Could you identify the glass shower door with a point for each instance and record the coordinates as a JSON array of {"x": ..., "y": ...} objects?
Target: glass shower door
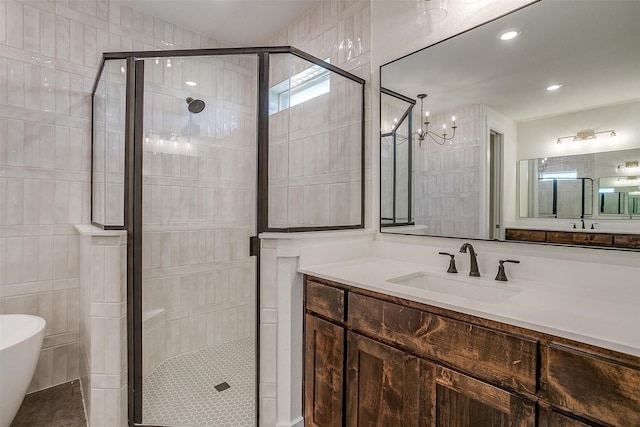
[{"x": 198, "y": 213}]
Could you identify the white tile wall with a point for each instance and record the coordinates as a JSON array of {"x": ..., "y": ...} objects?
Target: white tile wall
[
  {"x": 340, "y": 30},
  {"x": 49, "y": 55},
  {"x": 447, "y": 177},
  {"x": 315, "y": 152},
  {"x": 103, "y": 333},
  {"x": 314, "y": 156}
]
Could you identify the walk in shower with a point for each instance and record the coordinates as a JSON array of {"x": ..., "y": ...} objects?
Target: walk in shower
[{"x": 194, "y": 153}]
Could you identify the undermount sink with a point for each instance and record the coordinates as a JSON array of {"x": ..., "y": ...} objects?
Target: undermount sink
[{"x": 473, "y": 289}]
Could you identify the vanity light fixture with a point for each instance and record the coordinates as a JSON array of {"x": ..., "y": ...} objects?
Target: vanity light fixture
[
  {"x": 584, "y": 135},
  {"x": 554, "y": 87},
  {"x": 438, "y": 139},
  {"x": 509, "y": 34}
]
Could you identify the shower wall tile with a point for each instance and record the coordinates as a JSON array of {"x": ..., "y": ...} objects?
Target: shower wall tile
[
  {"x": 340, "y": 31},
  {"x": 102, "y": 310},
  {"x": 51, "y": 51}
]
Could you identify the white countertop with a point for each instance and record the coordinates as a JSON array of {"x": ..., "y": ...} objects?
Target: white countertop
[{"x": 606, "y": 319}]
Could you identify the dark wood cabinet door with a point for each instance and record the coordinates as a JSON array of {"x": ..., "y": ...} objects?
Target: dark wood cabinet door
[
  {"x": 462, "y": 401},
  {"x": 382, "y": 384},
  {"x": 323, "y": 382}
]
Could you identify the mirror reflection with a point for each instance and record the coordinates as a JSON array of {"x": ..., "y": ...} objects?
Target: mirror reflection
[
  {"x": 598, "y": 186},
  {"x": 514, "y": 130},
  {"x": 395, "y": 158}
]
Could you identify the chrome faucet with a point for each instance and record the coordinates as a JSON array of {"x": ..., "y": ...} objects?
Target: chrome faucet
[{"x": 474, "y": 262}]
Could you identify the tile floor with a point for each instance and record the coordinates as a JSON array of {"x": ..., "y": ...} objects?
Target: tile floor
[
  {"x": 54, "y": 407},
  {"x": 182, "y": 392}
]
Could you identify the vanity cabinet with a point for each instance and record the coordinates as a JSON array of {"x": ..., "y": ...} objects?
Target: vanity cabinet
[{"x": 376, "y": 360}]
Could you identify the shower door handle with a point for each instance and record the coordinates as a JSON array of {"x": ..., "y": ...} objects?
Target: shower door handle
[{"x": 254, "y": 246}]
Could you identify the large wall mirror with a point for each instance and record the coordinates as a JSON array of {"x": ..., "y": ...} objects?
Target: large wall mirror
[{"x": 532, "y": 119}]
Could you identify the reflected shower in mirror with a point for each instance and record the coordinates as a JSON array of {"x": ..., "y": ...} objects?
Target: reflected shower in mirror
[
  {"x": 598, "y": 185},
  {"x": 395, "y": 158},
  {"x": 565, "y": 89}
]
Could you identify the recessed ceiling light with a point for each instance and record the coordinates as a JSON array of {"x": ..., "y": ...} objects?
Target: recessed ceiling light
[
  {"x": 190, "y": 83},
  {"x": 509, "y": 34},
  {"x": 553, "y": 87}
]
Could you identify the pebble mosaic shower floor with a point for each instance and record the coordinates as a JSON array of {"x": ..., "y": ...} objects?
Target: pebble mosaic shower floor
[{"x": 181, "y": 391}]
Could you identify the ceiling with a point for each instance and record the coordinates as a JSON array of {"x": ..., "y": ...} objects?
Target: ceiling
[
  {"x": 234, "y": 22},
  {"x": 590, "y": 46}
]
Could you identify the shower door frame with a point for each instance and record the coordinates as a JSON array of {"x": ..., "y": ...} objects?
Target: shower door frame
[
  {"x": 408, "y": 114},
  {"x": 133, "y": 148}
]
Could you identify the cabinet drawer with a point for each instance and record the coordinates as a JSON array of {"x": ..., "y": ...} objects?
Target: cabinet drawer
[
  {"x": 525, "y": 235},
  {"x": 631, "y": 241},
  {"x": 578, "y": 238},
  {"x": 592, "y": 385},
  {"x": 325, "y": 300},
  {"x": 503, "y": 359}
]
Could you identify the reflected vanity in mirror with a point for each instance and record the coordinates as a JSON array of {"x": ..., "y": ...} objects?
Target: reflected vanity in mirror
[{"x": 487, "y": 133}]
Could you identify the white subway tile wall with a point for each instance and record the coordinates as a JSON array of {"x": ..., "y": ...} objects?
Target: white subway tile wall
[
  {"x": 50, "y": 50},
  {"x": 315, "y": 146},
  {"x": 339, "y": 30},
  {"x": 108, "y": 145},
  {"x": 447, "y": 177},
  {"x": 103, "y": 326}
]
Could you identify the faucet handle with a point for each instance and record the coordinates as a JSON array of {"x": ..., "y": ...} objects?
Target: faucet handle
[
  {"x": 502, "y": 276},
  {"x": 452, "y": 262},
  {"x": 573, "y": 223},
  {"x": 592, "y": 225}
]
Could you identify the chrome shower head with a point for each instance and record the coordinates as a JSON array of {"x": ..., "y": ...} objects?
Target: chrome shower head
[{"x": 195, "y": 105}]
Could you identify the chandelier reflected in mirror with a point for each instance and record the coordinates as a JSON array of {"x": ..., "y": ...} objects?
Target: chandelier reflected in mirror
[{"x": 422, "y": 133}]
